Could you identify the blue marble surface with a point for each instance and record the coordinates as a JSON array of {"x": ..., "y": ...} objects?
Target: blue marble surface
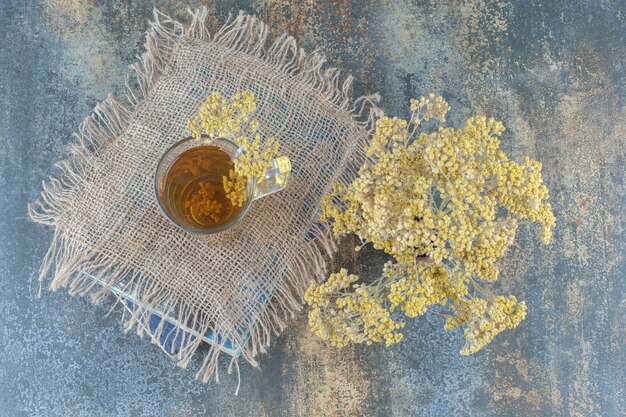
[{"x": 553, "y": 71}]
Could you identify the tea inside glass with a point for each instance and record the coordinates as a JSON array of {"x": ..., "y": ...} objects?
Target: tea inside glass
[
  {"x": 194, "y": 191},
  {"x": 189, "y": 189}
]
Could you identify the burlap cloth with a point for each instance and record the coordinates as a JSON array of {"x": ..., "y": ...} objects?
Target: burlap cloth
[{"x": 243, "y": 284}]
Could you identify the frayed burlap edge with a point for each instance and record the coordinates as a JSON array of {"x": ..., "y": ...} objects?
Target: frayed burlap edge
[{"x": 73, "y": 264}]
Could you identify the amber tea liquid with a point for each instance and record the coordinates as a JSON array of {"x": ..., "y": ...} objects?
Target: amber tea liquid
[{"x": 194, "y": 191}]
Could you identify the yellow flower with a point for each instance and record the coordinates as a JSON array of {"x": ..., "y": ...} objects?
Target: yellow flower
[
  {"x": 342, "y": 313},
  {"x": 451, "y": 196},
  {"x": 231, "y": 118},
  {"x": 203, "y": 203}
]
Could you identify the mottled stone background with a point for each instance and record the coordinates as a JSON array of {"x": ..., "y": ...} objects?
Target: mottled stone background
[{"x": 553, "y": 71}]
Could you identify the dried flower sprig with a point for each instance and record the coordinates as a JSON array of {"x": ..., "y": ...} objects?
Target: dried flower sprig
[
  {"x": 203, "y": 204},
  {"x": 225, "y": 117},
  {"x": 232, "y": 118},
  {"x": 450, "y": 196}
]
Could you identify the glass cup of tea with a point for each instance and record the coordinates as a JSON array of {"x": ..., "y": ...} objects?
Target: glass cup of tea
[{"x": 189, "y": 188}]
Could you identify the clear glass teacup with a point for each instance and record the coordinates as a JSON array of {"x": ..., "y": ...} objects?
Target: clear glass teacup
[{"x": 189, "y": 187}]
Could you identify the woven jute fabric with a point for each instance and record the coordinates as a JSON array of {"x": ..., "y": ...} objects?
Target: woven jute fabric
[{"x": 243, "y": 284}]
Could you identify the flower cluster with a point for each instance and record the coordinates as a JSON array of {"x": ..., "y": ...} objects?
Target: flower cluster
[
  {"x": 342, "y": 313},
  {"x": 253, "y": 162},
  {"x": 448, "y": 195},
  {"x": 231, "y": 118},
  {"x": 485, "y": 319},
  {"x": 226, "y": 117},
  {"x": 203, "y": 204}
]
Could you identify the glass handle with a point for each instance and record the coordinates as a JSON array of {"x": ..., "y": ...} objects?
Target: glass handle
[{"x": 276, "y": 178}]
